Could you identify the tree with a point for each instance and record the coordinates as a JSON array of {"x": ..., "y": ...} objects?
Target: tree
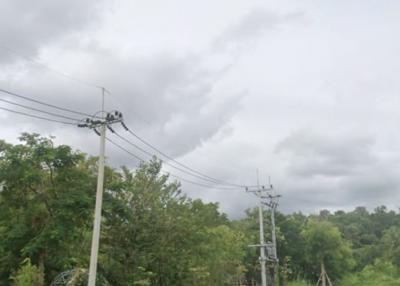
[
  {"x": 291, "y": 245},
  {"x": 390, "y": 245},
  {"x": 326, "y": 247},
  {"x": 46, "y": 202},
  {"x": 153, "y": 234},
  {"x": 222, "y": 252}
]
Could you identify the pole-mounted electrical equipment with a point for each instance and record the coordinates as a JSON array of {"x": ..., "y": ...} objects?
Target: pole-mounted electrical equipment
[{"x": 268, "y": 250}]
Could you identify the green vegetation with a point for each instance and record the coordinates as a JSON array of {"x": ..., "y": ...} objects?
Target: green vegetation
[
  {"x": 379, "y": 274},
  {"x": 152, "y": 234},
  {"x": 28, "y": 275},
  {"x": 324, "y": 244},
  {"x": 298, "y": 283}
]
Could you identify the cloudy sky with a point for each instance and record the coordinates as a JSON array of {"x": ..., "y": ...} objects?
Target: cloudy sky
[{"x": 305, "y": 91}]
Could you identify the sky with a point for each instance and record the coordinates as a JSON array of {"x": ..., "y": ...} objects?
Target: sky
[{"x": 307, "y": 92}]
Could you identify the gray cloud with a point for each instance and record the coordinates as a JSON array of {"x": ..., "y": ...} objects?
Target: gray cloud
[
  {"x": 251, "y": 27},
  {"x": 168, "y": 100},
  {"x": 337, "y": 171},
  {"x": 312, "y": 154},
  {"x": 26, "y": 26},
  {"x": 378, "y": 184},
  {"x": 162, "y": 96},
  {"x": 319, "y": 112}
]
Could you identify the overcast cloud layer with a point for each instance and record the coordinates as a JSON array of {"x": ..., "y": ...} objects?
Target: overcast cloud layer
[{"x": 306, "y": 91}]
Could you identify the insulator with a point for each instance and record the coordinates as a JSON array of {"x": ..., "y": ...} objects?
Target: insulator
[
  {"x": 109, "y": 128},
  {"x": 123, "y": 125}
]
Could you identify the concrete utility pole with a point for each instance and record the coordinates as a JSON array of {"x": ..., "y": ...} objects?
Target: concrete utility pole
[
  {"x": 97, "y": 123},
  {"x": 263, "y": 258},
  {"x": 259, "y": 191},
  {"x": 271, "y": 202},
  {"x": 97, "y": 213}
]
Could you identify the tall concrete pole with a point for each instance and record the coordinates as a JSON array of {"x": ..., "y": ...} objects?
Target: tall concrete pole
[
  {"x": 97, "y": 213},
  {"x": 273, "y": 231},
  {"x": 273, "y": 236},
  {"x": 99, "y": 201},
  {"x": 263, "y": 259}
]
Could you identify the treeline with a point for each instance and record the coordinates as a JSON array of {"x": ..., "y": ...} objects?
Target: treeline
[{"x": 152, "y": 234}]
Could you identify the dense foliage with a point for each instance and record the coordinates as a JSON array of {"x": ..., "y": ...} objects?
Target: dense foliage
[{"x": 152, "y": 234}]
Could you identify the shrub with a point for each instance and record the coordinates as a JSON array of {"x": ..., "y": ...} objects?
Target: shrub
[{"x": 28, "y": 275}]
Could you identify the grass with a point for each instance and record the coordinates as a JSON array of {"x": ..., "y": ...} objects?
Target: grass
[{"x": 298, "y": 283}]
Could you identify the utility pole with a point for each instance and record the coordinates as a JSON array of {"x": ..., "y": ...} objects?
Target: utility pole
[
  {"x": 259, "y": 191},
  {"x": 263, "y": 258},
  {"x": 99, "y": 123},
  {"x": 271, "y": 201},
  {"x": 97, "y": 213}
]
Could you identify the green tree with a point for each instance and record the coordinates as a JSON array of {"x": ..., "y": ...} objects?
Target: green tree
[
  {"x": 156, "y": 235},
  {"x": 222, "y": 252},
  {"x": 379, "y": 273},
  {"x": 390, "y": 245},
  {"x": 326, "y": 247},
  {"x": 46, "y": 205}
]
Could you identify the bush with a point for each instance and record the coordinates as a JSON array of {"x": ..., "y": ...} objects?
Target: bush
[
  {"x": 298, "y": 283},
  {"x": 379, "y": 274},
  {"x": 28, "y": 275}
]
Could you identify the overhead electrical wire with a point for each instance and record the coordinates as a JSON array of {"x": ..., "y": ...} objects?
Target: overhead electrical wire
[
  {"x": 126, "y": 150},
  {"x": 11, "y": 51},
  {"x": 67, "y": 76},
  {"x": 208, "y": 178},
  {"x": 185, "y": 169},
  {"x": 44, "y": 103},
  {"x": 171, "y": 165},
  {"x": 214, "y": 186},
  {"x": 167, "y": 173},
  {"x": 36, "y": 116},
  {"x": 39, "y": 110}
]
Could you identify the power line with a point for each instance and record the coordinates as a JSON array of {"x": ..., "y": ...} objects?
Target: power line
[
  {"x": 50, "y": 69},
  {"x": 44, "y": 103},
  {"x": 126, "y": 150},
  {"x": 39, "y": 110},
  {"x": 119, "y": 146},
  {"x": 191, "y": 171},
  {"x": 36, "y": 116},
  {"x": 208, "y": 178},
  {"x": 200, "y": 184},
  {"x": 167, "y": 163},
  {"x": 167, "y": 173}
]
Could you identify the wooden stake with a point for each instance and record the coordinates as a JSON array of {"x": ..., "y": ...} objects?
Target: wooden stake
[{"x": 323, "y": 278}]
